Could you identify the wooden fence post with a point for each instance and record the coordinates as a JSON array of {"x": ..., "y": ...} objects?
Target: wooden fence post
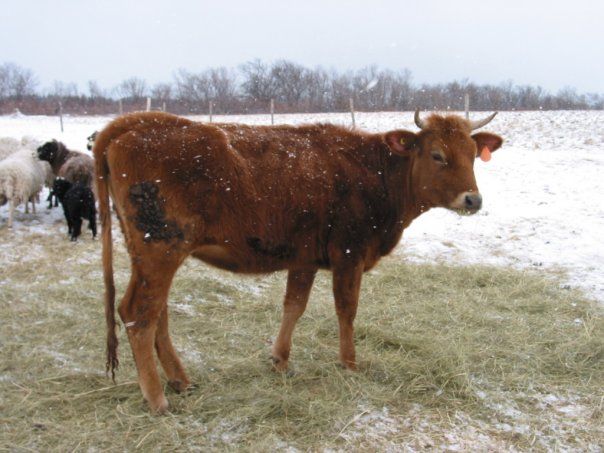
[
  {"x": 163, "y": 106},
  {"x": 272, "y": 111},
  {"x": 148, "y": 104},
  {"x": 210, "y": 108},
  {"x": 352, "y": 113},
  {"x": 121, "y": 107},
  {"x": 61, "y": 114},
  {"x": 467, "y": 105}
]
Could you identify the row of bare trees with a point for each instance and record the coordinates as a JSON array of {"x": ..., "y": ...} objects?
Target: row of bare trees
[{"x": 293, "y": 87}]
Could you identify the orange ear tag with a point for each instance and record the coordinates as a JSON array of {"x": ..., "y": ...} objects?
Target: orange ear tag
[{"x": 485, "y": 154}]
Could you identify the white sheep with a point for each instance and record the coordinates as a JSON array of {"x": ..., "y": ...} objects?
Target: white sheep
[
  {"x": 22, "y": 176},
  {"x": 8, "y": 146}
]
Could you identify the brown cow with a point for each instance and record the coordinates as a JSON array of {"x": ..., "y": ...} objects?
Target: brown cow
[{"x": 256, "y": 199}]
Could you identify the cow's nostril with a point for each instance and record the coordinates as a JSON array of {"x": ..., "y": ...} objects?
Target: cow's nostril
[{"x": 473, "y": 202}]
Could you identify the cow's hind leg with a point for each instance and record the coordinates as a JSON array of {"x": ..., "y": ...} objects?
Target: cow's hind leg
[
  {"x": 140, "y": 311},
  {"x": 299, "y": 284},
  {"x": 177, "y": 377}
]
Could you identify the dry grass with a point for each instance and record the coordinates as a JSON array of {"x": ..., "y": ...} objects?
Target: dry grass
[{"x": 470, "y": 358}]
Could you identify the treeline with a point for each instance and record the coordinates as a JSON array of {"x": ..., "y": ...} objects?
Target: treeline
[{"x": 293, "y": 87}]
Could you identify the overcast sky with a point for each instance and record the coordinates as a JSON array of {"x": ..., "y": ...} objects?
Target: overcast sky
[{"x": 549, "y": 43}]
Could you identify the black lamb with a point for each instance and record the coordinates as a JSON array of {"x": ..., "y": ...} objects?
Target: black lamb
[
  {"x": 51, "y": 196},
  {"x": 78, "y": 203}
]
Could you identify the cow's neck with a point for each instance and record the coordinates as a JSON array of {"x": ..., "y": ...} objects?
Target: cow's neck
[{"x": 401, "y": 197}]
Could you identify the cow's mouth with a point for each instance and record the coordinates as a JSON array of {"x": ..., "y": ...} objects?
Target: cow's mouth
[
  {"x": 467, "y": 203},
  {"x": 465, "y": 212}
]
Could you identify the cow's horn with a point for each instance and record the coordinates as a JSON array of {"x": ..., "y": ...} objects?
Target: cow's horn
[
  {"x": 483, "y": 122},
  {"x": 420, "y": 123}
]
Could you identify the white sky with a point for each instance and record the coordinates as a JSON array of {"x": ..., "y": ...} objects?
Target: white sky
[{"x": 549, "y": 43}]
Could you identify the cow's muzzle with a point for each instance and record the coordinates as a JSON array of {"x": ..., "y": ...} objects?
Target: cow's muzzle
[{"x": 467, "y": 203}]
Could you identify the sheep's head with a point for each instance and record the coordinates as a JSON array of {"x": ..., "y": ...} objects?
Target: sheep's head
[
  {"x": 48, "y": 151},
  {"x": 91, "y": 138}
]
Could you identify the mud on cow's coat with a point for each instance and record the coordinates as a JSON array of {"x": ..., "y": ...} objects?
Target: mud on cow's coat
[{"x": 256, "y": 199}]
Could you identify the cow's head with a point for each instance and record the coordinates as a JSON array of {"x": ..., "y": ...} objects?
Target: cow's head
[
  {"x": 48, "y": 151},
  {"x": 442, "y": 158}
]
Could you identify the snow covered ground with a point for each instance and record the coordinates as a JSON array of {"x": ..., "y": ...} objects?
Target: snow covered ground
[{"x": 543, "y": 191}]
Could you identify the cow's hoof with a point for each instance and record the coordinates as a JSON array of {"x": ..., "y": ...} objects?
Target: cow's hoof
[
  {"x": 281, "y": 366},
  {"x": 179, "y": 386},
  {"x": 160, "y": 407},
  {"x": 351, "y": 366}
]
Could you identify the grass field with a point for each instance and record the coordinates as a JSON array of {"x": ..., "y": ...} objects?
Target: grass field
[{"x": 450, "y": 358}]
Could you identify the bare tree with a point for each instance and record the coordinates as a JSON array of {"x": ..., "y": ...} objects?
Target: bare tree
[
  {"x": 16, "y": 81},
  {"x": 318, "y": 90},
  {"x": 595, "y": 101},
  {"x": 401, "y": 91},
  {"x": 63, "y": 90},
  {"x": 192, "y": 87},
  {"x": 258, "y": 83},
  {"x": 132, "y": 88},
  {"x": 223, "y": 88},
  {"x": 341, "y": 90},
  {"x": 569, "y": 98},
  {"x": 290, "y": 81},
  {"x": 5, "y": 78},
  {"x": 95, "y": 91},
  {"x": 162, "y": 92}
]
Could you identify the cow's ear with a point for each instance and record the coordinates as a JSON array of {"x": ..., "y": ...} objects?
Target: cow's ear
[
  {"x": 485, "y": 139},
  {"x": 401, "y": 142}
]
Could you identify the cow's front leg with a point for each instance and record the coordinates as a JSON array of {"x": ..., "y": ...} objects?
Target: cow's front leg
[
  {"x": 299, "y": 284},
  {"x": 347, "y": 274}
]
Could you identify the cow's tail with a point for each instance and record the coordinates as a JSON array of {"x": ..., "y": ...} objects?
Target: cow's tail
[
  {"x": 102, "y": 185},
  {"x": 118, "y": 127}
]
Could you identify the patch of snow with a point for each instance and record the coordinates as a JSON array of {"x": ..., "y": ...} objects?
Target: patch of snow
[
  {"x": 184, "y": 309},
  {"x": 377, "y": 429}
]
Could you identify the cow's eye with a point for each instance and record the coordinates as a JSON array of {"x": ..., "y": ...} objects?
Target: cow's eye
[{"x": 438, "y": 157}]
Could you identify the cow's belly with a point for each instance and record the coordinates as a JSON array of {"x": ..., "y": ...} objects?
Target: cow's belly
[
  {"x": 217, "y": 256},
  {"x": 228, "y": 259}
]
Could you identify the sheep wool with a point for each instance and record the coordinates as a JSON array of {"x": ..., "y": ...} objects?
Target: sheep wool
[{"x": 22, "y": 177}]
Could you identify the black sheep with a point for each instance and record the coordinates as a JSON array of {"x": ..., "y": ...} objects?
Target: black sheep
[{"x": 78, "y": 204}]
